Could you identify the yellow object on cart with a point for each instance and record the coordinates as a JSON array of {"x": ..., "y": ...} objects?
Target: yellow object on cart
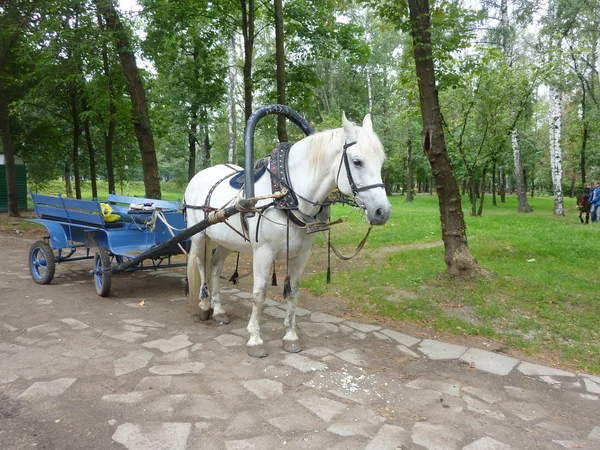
[{"x": 107, "y": 213}]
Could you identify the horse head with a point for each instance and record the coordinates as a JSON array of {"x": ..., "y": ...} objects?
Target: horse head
[
  {"x": 583, "y": 201},
  {"x": 358, "y": 173}
]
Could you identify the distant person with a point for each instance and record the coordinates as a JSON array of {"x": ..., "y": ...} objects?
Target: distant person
[{"x": 595, "y": 202}]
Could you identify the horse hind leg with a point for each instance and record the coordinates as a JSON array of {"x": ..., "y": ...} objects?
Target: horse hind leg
[
  {"x": 218, "y": 260},
  {"x": 196, "y": 272}
]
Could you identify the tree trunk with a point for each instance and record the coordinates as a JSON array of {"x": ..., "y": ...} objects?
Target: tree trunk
[
  {"x": 472, "y": 194},
  {"x": 193, "y": 121},
  {"x": 137, "y": 93},
  {"x": 502, "y": 184},
  {"x": 585, "y": 134},
  {"x": 480, "y": 210},
  {"x": 494, "y": 203},
  {"x": 67, "y": 178},
  {"x": 231, "y": 109},
  {"x": 92, "y": 156},
  {"x": 369, "y": 89},
  {"x": 573, "y": 180},
  {"x": 459, "y": 260},
  {"x": 192, "y": 141},
  {"x": 109, "y": 138},
  {"x": 409, "y": 171},
  {"x": 9, "y": 156},
  {"x": 76, "y": 138},
  {"x": 280, "y": 62},
  {"x": 206, "y": 149},
  {"x": 248, "y": 34},
  {"x": 555, "y": 107},
  {"x": 532, "y": 187},
  {"x": 110, "y": 133},
  {"x": 505, "y": 26},
  {"x": 520, "y": 177},
  {"x": 387, "y": 181}
]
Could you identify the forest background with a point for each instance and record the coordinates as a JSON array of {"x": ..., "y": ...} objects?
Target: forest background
[{"x": 517, "y": 80}]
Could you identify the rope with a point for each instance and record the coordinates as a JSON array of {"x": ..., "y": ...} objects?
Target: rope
[{"x": 159, "y": 215}]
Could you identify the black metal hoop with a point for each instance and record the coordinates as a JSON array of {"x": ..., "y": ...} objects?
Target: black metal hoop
[{"x": 280, "y": 110}]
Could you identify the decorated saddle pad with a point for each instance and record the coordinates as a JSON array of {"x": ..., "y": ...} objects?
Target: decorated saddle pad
[{"x": 237, "y": 181}]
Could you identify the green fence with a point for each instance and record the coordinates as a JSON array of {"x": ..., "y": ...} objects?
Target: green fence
[{"x": 21, "y": 185}]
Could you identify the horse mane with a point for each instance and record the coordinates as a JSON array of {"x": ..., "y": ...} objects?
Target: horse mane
[{"x": 333, "y": 140}]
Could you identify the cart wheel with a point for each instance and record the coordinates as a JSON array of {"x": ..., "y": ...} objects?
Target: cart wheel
[
  {"x": 102, "y": 273},
  {"x": 41, "y": 262}
]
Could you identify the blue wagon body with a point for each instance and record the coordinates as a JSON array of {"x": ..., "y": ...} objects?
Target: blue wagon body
[{"x": 79, "y": 225}]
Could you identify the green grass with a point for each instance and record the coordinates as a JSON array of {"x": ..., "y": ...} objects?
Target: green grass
[{"x": 543, "y": 295}]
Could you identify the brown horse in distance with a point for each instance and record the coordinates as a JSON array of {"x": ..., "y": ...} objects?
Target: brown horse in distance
[{"x": 584, "y": 205}]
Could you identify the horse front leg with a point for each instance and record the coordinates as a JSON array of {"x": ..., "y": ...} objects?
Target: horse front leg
[
  {"x": 218, "y": 260},
  {"x": 261, "y": 266},
  {"x": 291, "y": 343}
]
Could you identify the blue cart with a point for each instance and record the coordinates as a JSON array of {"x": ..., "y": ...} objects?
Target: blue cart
[
  {"x": 117, "y": 237},
  {"x": 136, "y": 236}
]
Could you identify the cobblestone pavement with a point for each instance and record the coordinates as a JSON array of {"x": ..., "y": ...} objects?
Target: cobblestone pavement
[{"x": 82, "y": 372}]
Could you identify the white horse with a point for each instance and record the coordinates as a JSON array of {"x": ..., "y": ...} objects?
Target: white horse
[{"x": 347, "y": 158}]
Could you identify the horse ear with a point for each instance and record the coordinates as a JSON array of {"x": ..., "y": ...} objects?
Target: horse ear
[
  {"x": 348, "y": 127},
  {"x": 367, "y": 124}
]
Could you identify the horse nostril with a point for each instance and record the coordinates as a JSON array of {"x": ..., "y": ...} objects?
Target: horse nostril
[{"x": 379, "y": 213}]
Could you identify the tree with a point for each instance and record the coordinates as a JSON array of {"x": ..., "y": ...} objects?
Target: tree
[
  {"x": 137, "y": 93},
  {"x": 507, "y": 40},
  {"x": 555, "y": 108},
  {"x": 459, "y": 260},
  {"x": 231, "y": 104},
  {"x": 188, "y": 51},
  {"x": 280, "y": 58},
  {"x": 11, "y": 26}
]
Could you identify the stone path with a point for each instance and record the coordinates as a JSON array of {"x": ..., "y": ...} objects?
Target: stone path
[{"x": 78, "y": 371}]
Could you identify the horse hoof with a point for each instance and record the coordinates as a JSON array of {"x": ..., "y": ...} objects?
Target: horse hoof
[
  {"x": 205, "y": 315},
  {"x": 292, "y": 346},
  {"x": 257, "y": 351},
  {"x": 222, "y": 319}
]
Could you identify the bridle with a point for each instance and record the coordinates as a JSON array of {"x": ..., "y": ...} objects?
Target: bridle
[{"x": 353, "y": 187}]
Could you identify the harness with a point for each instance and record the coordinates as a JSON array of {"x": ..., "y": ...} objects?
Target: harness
[{"x": 277, "y": 167}]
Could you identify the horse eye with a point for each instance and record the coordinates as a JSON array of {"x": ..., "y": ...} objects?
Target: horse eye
[{"x": 357, "y": 162}]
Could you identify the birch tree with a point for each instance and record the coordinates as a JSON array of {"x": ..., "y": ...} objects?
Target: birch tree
[
  {"x": 555, "y": 125},
  {"x": 523, "y": 204},
  {"x": 556, "y": 34}
]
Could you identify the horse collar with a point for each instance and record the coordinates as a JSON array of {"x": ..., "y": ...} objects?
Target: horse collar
[{"x": 278, "y": 167}]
